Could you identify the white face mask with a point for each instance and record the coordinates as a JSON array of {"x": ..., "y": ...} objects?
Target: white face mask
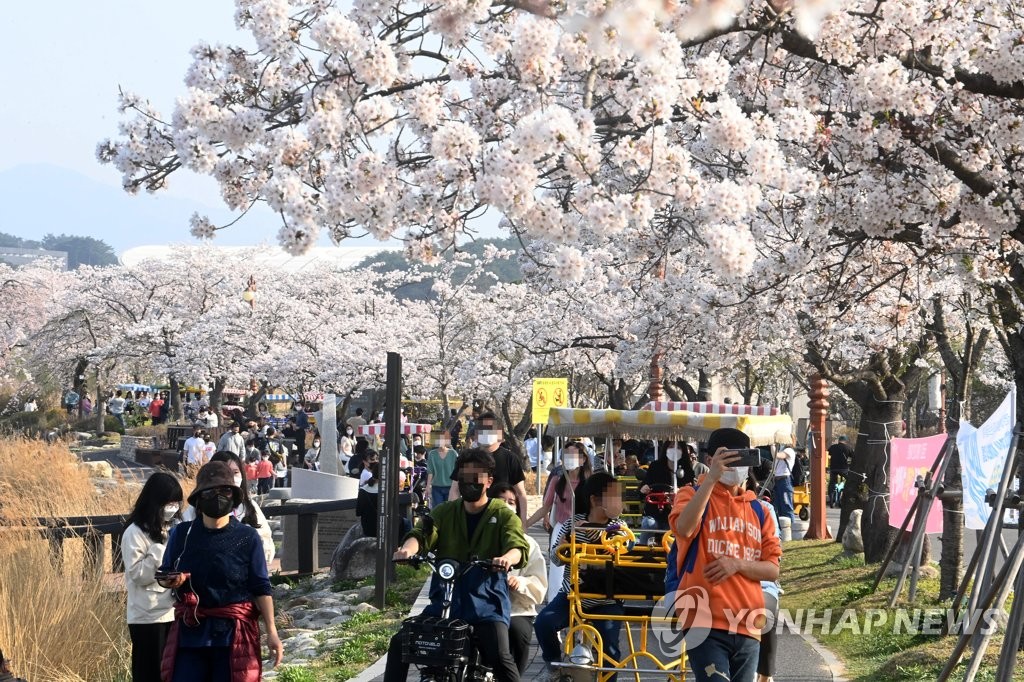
[
  {"x": 170, "y": 510},
  {"x": 734, "y": 475},
  {"x": 487, "y": 438},
  {"x": 348, "y": 432},
  {"x": 238, "y": 480},
  {"x": 316, "y": 444},
  {"x": 570, "y": 461},
  {"x": 673, "y": 454}
]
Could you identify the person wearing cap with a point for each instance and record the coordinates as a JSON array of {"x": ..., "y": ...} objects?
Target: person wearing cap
[
  {"x": 726, "y": 545},
  {"x": 782, "y": 489},
  {"x": 218, "y": 570},
  {"x": 840, "y": 454},
  {"x": 5, "y": 670}
]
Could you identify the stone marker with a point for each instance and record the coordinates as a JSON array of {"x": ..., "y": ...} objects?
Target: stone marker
[{"x": 853, "y": 541}]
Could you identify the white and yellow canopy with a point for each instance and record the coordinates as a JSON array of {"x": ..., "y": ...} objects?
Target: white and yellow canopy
[{"x": 681, "y": 425}]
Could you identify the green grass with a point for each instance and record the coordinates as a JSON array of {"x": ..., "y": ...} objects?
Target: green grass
[
  {"x": 816, "y": 576},
  {"x": 366, "y": 636}
]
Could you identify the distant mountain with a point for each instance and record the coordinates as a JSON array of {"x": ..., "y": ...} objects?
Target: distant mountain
[
  {"x": 390, "y": 261},
  {"x": 39, "y": 199},
  {"x": 79, "y": 250}
]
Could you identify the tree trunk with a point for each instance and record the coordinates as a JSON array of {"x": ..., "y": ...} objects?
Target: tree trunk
[
  {"x": 951, "y": 562},
  {"x": 217, "y": 395},
  {"x": 703, "y": 386},
  {"x": 175, "y": 398},
  {"x": 619, "y": 395},
  {"x": 254, "y": 400},
  {"x": 867, "y": 485},
  {"x": 78, "y": 382},
  {"x": 100, "y": 406},
  {"x": 341, "y": 414}
]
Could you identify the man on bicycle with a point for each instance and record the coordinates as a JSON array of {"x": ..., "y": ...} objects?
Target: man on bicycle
[{"x": 472, "y": 526}]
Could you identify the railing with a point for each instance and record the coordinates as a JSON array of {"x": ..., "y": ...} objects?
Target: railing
[
  {"x": 93, "y": 529},
  {"x": 309, "y": 520}
]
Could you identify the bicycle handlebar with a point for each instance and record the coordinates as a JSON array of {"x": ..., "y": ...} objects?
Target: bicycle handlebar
[{"x": 417, "y": 560}]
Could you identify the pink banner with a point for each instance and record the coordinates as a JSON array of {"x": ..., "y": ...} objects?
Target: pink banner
[{"x": 910, "y": 458}]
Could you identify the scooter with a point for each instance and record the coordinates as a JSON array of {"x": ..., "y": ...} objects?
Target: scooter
[{"x": 442, "y": 648}]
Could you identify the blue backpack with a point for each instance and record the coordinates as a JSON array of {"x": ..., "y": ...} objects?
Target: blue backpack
[{"x": 672, "y": 575}]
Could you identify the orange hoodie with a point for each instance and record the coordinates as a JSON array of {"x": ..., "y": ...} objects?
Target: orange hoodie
[{"x": 730, "y": 527}]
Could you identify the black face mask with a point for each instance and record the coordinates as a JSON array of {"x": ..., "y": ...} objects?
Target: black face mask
[
  {"x": 216, "y": 506},
  {"x": 471, "y": 492}
]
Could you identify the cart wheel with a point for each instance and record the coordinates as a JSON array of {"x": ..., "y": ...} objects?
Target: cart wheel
[{"x": 805, "y": 513}]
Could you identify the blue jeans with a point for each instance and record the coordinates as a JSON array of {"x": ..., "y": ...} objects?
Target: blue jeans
[
  {"x": 782, "y": 497},
  {"x": 651, "y": 523},
  {"x": 724, "y": 657},
  {"x": 438, "y": 495},
  {"x": 555, "y": 617}
]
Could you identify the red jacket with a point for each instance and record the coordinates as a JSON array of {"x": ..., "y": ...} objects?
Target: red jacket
[{"x": 246, "y": 660}]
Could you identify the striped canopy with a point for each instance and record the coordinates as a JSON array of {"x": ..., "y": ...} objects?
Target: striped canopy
[
  {"x": 762, "y": 430},
  {"x": 711, "y": 408},
  {"x": 408, "y": 429},
  {"x": 310, "y": 397}
]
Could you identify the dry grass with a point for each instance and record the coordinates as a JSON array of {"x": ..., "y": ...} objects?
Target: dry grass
[
  {"x": 57, "y": 623},
  {"x": 38, "y": 479},
  {"x": 59, "y": 627}
]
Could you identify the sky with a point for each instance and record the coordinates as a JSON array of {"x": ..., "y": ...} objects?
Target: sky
[
  {"x": 69, "y": 69},
  {"x": 63, "y": 67}
]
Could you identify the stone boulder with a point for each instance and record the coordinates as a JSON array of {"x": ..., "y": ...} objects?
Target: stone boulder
[
  {"x": 853, "y": 541},
  {"x": 355, "y": 561},
  {"x": 101, "y": 469}
]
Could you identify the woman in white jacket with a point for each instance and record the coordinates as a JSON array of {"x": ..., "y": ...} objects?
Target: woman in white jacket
[
  {"x": 150, "y": 606},
  {"x": 527, "y": 587},
  {"x": 248, "y": 512}
]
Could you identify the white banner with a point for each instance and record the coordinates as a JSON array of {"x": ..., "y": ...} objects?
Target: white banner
[{"x": 983, "y": 453}]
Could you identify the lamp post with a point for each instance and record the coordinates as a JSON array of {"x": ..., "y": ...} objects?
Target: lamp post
[
  {"x": 249, "y": 295},
  {"x": 817, "y": 529}
]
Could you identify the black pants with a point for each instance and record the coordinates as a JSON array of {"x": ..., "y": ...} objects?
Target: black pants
[
  {"x": 491, "y": 639},
  {"x": 769, "y": 641},
  {"x": 833, "y": 479},
  {"x": 264, "y": 485},
  {"x": 148, "y": 641},
  {"x": 520, "y": 634}
]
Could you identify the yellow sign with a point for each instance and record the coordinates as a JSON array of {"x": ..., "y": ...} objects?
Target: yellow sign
[{"x": 548, "y": 393}]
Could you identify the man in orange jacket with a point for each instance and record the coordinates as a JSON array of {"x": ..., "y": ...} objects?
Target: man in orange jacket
[{"x": 727, "y": 546}]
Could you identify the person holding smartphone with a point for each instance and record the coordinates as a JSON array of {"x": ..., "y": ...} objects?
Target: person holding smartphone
[
  {"x": 727, "y": 544},
  {"x": 150, "y": 606},
  {"x": 218, "y": 570}
]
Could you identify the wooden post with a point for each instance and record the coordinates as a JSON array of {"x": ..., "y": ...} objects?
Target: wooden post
[
  {"x": 309, "y": 553},
  {"x": 654, "y": 387},
  {"x": 818, "y": 527},
  {"x": 94, "y": 551}
]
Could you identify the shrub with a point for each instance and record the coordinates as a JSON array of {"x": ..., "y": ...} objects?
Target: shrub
[
  {"x": 292, "y": 673},
  {"x": 159, "y": 432},
  {"x": 111, "y": 424}
]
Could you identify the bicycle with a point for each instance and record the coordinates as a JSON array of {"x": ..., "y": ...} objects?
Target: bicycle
[{"x": 441, "y": 647}]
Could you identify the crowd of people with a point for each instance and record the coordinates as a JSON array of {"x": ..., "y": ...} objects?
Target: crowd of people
[{"x": 197, "y": 569}]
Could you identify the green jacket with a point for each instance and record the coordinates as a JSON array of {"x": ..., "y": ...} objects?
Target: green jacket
[{"x": 499, "y": 531}]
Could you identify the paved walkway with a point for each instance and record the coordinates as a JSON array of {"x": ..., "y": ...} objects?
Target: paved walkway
[{"x": 797, "y": 660}]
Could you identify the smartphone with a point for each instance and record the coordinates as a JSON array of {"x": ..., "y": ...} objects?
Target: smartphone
[
  {"x": 166, "y": 575},
  {"x": 749, "y": 457}
]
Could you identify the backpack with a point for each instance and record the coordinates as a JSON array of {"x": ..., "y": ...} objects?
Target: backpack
[
  {"x": 797, "y": 473},
  {"x": 672, "y": 575}
]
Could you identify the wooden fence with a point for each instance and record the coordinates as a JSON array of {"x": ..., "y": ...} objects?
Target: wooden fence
[{"x": 94, "y": 529}]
